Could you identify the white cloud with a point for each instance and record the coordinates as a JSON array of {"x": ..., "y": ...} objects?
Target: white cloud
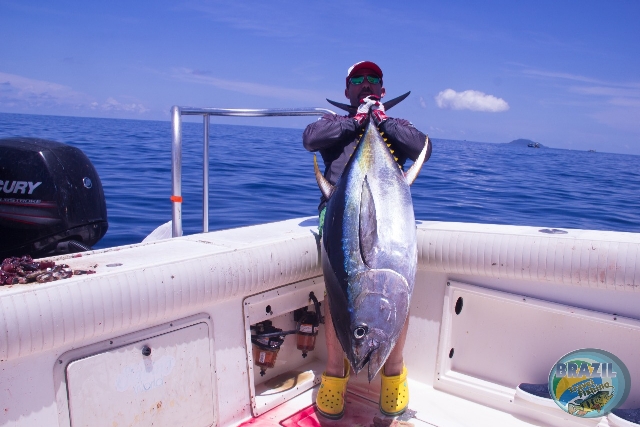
[
  {"x": 249, "y": 88},
  {"x": 619, "y": 93},
  {"x": 620, "y": 118},
  {"x": 607, "y": 91},
  {"x": 564, "y": 76},
  {"x": 579, "y": 78},
  {"x": 423, "y": 104},
  {"x": 625, "y": 102},
  {"x": 112, "y": 105},
  {"x": 473, "y": 100},
  {"x": 615, "y": 104},
  {"x": 251, "y": 17},
  {"x": 22, "y": 93}
]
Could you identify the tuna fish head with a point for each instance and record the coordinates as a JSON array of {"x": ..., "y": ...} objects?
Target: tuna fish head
[{"x": 380, "y": 308}]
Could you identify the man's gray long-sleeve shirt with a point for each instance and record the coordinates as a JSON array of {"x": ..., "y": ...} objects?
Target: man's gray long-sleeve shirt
[{"x": 335, "y": 137}]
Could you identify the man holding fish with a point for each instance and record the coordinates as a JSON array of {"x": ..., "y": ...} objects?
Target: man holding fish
[{"x": 368, "y": 234}]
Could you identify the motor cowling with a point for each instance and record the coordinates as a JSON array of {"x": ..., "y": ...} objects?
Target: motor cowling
[{"x": 51, "y": 199}]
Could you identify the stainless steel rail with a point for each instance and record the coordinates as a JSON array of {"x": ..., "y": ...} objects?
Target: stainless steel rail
[{"x": 176, "y": 151}]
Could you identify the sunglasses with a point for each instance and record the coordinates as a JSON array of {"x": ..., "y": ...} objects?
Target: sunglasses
[{"x": 358, "y": 80}]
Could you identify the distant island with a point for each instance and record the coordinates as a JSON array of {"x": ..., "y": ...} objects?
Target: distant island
[{"x": 526, "y": 143}]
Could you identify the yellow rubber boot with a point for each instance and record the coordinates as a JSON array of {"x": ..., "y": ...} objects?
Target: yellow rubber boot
[
  {"x": 330, "y": 398},
  {"x": 394, "y": 393}
]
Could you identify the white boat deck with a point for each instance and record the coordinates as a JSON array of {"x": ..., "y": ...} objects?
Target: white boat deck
[
  {"x": 432, "y": 408},
  {"x": 69, "y": 349}
]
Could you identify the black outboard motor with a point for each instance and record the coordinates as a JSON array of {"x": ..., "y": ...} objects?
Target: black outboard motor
[{"x": 51, "y": 199}]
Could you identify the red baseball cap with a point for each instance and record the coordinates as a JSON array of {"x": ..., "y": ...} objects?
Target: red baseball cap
[{"x": 361, "y": 65}]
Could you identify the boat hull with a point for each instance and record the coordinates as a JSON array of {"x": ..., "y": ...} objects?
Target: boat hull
[{"x": 521, "y": 288}]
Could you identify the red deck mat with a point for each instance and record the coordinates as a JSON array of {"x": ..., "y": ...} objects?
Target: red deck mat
[{"x": 359, "y": 413}]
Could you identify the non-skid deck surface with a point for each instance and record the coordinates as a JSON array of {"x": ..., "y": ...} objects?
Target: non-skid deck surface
[{"x": 358, "y": 413}]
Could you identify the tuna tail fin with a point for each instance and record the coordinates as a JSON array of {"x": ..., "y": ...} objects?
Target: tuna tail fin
[
  {"x": 414, "y": 170},
  {"x": 325, "y": 186}
]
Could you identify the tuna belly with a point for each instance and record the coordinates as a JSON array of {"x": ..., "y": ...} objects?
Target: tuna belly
[{"x": 337, "y": 299}]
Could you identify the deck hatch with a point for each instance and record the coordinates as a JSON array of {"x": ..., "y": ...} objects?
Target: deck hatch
[{"x": 162, "y": 380}]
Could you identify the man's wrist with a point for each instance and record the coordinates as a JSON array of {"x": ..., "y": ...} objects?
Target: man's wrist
[{"x": 360, "y": 118}]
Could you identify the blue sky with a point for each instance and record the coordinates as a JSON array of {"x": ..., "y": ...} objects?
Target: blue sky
[{"x": 563, "y": 73}]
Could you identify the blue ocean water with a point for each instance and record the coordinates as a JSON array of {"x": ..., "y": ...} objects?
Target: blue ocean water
[{"x": 260, "y": 174}]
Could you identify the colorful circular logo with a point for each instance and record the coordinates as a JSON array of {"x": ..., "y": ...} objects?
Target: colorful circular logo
[{"x": 589, "y": 383}]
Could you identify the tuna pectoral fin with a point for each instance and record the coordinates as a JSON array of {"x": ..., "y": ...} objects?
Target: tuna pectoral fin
[
  {"x": 325, "y": 186},
  {"x": 368, "y": 226},
  {"x": 414, "y": 170}
]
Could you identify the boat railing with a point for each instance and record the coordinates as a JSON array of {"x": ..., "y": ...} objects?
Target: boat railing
[{"x": 176, "y": 151}]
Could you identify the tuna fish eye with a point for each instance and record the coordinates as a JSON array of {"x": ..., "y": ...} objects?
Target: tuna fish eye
[{"x": 360, "y": 331}]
